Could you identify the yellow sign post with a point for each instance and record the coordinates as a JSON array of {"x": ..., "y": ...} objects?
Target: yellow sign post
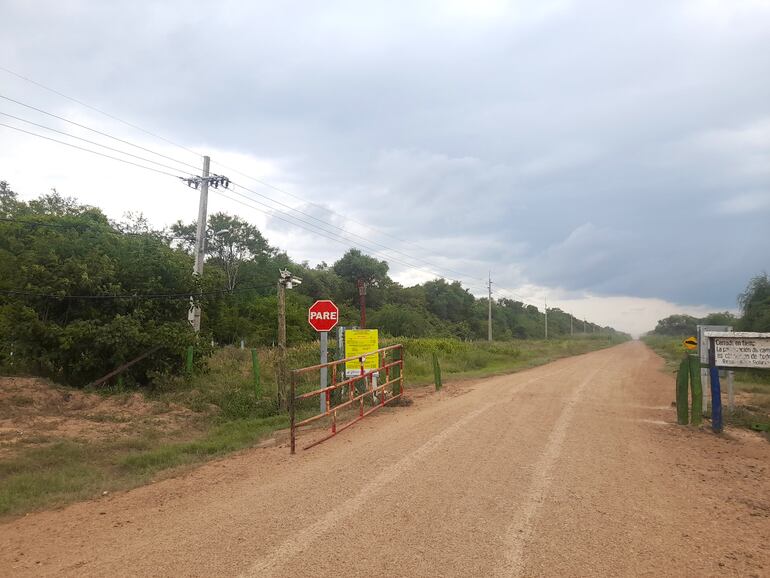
[
  {"x": 690, "y": 343},
  {"x": 357, "y": 343}
]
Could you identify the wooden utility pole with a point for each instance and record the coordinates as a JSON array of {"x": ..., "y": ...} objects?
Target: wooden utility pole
[
  {"x": 489, "y": 311},
  {"x": 285, "y": 281},
  {"x": 281, "y": 373},
  {"x": 546, "y": 318},
  {"x": 362, "y": 301}
]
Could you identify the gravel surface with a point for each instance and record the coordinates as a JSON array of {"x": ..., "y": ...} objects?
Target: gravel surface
[{"x": 571, "y": 469}]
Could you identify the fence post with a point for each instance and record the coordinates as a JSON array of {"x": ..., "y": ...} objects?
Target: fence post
[
  {"x": 682, "y": 381},
  {"x": 255, "y": 371},
  {"x": 696, "y": 388},
  {"x": 395, "y": 375},
  {"x": 436, "y": 372}
]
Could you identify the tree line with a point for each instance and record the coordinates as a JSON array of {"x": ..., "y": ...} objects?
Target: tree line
[{"x": 81, "y": 294}]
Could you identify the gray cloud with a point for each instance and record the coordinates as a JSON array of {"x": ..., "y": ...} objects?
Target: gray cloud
[{"x": 609, "y": 147}]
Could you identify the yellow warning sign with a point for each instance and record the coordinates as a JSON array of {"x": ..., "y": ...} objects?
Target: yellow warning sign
[
  {"x": 690, "y": 343},
  {"x": 358, "y": 342}
]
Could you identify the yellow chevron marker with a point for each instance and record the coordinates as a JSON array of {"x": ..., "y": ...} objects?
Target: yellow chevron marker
[{"x": 690, "y": 343}]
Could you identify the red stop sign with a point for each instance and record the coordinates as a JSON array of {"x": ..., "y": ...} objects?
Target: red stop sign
[{"x": 323, "y": 315}]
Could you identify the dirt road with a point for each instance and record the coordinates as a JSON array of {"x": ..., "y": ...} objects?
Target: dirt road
[{"x": 571, "y": 469}]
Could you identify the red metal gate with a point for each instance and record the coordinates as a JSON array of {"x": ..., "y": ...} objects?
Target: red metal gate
[{"x": 392, "y": 370}]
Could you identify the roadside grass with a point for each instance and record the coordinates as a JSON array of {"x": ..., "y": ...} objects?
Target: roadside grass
[
  {"x": 229, "y": 416},
  {"x": 461, "y": 359},
  {"x": 72, "y": 470},
  {"x": 752, "y": 387}
]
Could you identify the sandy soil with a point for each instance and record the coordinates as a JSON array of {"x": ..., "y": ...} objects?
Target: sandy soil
[
  {"x": 36, "y": 412},
  {"x": 570, "y": 469}
]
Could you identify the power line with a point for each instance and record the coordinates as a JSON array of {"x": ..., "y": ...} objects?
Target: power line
[
  {"x": 323, "y": 232},
  {"x": 107, "y": 114},
  {"x": 386, "y": 247},
  {"x": 182, "y": 147},
  {"x": 99, "y": 132},
  {"x": 262, "y": 182},
  {"x": 328, "y": 210},
  {"x": 289, "y": 207},
  {"x": 88, "y": 150},
  {"x": 275, "y": 213},
  {"x": 109, "y": 148}
]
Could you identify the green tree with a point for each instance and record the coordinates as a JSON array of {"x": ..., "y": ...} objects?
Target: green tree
[
  {"x": 448, "y": 301},
  {"x": 755, "y": 304},
  {"x": 230, "y": 241},
  {"x": 677, "y": 325},
  {"x": 353, "y": 267}
]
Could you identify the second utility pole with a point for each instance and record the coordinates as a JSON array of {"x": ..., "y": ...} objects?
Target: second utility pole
[
  {"x": 545, "y": 299},
  {"x": 200, "y": 239},
  {"x": 489, "y": 320},
  {"x": 281, "y": 377}
]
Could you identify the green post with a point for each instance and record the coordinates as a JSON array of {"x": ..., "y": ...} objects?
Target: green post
[
  {"x": 255, "y": 369},
  {"x": 696, "y": 411},
  {"x": 190, "y": 354},
  {"x": 682, "y": 381},
  {"x": 436, "y": 372},
  {"x": 395, "y": 374}
]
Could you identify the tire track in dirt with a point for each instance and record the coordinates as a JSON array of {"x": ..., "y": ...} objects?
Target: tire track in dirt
[
  {"x": 521, "y": 528},
  {"x": 304, "y": 539}
]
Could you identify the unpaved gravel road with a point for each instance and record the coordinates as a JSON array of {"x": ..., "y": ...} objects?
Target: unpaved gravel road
[{"x": 570, "y": 469}]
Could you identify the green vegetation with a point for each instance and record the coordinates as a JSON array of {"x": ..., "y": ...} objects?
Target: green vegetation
[
  {"x": 687, "y": 325},
  {"x": 81, "y": 295}
]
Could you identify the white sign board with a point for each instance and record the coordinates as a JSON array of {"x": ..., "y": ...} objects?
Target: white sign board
[{"x": 741, "y": 349}]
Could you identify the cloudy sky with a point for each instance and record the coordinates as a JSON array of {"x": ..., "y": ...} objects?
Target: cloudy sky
[{"x": 612, "y": 156}]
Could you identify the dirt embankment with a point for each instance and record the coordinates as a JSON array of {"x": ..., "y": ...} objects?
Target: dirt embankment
[{"x": 35, "y": 412}]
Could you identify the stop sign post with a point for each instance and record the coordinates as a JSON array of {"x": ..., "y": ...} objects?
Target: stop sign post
[{"x": 323, "y": 315}]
